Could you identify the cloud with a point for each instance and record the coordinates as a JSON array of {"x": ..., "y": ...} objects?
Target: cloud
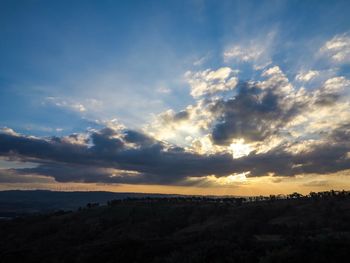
[
  {"x": 338, "y": 49},
  {"x": 245, "y": 54},
  {"x": 259, "y": 110},
  {"x": 14, "y": 176},
  {"x": 62, "y": 103},
  {"x": 79, "y": 106},
  {"x": 138, "y": 138},
  {"x": 234, "y": 129},
  {"x": 131, "y": 157},
  {"x": 200, "y": 61},
  {"x": 307, "y": 76},
  {"x": 317, "y": 183},
  {"x": 9, "y": 131},
  {"x": 163, "y": 90},
  {"x": 109, "y": 154},
  {"x": 257, "y": 51},
  {"x": 233, "y": 180},
  {"x": 12, "y": 163},
  {"x": 273, "y": 108},
  {"x": 272, "y": 127},
  {"x": 173, "y": 126},
  {"x": 331, "y": 90},
  {"x": 66, "y": 173},
  {"x": 170, "y": 116},
  {"x": 211, "y": 81}
]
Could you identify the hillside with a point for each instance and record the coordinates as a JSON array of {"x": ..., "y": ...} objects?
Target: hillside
[
  {"x": 16, "y": 202},
  {"x": 184, "y": 230}
]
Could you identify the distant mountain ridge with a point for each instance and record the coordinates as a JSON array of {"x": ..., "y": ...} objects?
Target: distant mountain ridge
[{"x": 18, "y": 202}]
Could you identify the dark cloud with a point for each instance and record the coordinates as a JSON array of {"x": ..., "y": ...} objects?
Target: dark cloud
[
  {"x": 155, "y": 164},
  {"x": 257, "y": 111},
  {"x": 171, "y": 117},
  {"x": 70, "y": 172},
  {"x": 327, "y": 99},
  {"x": 138, "y": 138},
  {"x": 181, "y": 115},
  {"x": 261, "y": 109},
  {"x": 105, "y": 143},
  {"x": 110, "y": 160},
  {"x": 330, "y": 156},
  {"x": 54, "y": 148},
  {"x": 253, "y": 114}
]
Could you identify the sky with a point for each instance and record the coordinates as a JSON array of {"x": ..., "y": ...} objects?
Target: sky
[{"x": 190, "y": 97}]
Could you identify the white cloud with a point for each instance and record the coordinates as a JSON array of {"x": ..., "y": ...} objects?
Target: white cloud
[
  {"x": 8, "y": 131},
  {"x": 232, "y": 180},
  {"x": 257, "y": 51},
  {"x": 83, "y": 106},
  {"x": 113, "y": 124},
  {"x": 244, "y": 54},
  {"x": 336, "y": 84},
  {"x": 272, "y": 71},
  {"x": 200, "y": 61},
  {"x": 338, "y": 49},
  {"x": 307, "y": 76},
  {"x": 164, "y": 90},
  {"x": 64, "y": 103},
  {"x": 211, "y": 81},
  {"x": 276, "y": 79}
]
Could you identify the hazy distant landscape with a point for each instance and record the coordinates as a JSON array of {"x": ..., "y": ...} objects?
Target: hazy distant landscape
[
  {"x": 17, "y": 203},
  {"x": 136, "y": 228}
]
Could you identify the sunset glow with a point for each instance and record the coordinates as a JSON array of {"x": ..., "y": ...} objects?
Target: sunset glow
[{"x": 202, "y": 97}]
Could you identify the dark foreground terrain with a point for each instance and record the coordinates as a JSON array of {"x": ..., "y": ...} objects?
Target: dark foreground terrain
[{"x": 312, "y": 229}]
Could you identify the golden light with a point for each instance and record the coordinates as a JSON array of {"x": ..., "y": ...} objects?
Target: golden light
[
  {"x": 240, "y": 149},
  {"x": 232, "y": 179},
  {"x": 213, "y": 180}
]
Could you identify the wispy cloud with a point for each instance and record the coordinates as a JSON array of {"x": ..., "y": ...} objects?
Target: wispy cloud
[
  {"x": 337, "y": 49},
  {"x": 257, "y": 51},
  {"x": 307, "y": 76}
]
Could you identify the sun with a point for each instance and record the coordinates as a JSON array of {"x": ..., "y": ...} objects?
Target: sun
[{"x": 240, "y": 149}]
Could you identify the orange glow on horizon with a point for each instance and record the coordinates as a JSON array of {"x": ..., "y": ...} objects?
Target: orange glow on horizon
[{"x": 251, "y": 186}]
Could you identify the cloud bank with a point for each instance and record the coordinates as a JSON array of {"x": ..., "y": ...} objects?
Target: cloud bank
[{"x": 266, "y": 126}]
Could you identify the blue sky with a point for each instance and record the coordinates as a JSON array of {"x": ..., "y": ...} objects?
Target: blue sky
[
  {"x": 123, "y": 52},
  {"x": 79, "y": 67}
]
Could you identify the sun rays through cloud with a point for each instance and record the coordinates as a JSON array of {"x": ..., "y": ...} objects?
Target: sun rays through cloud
[{"x": 185, "y": 100}]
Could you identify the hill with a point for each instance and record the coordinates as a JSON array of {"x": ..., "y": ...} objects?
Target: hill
[
  {"x": 314, "y": 229},
  {"x": 16, "y": 202}
]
